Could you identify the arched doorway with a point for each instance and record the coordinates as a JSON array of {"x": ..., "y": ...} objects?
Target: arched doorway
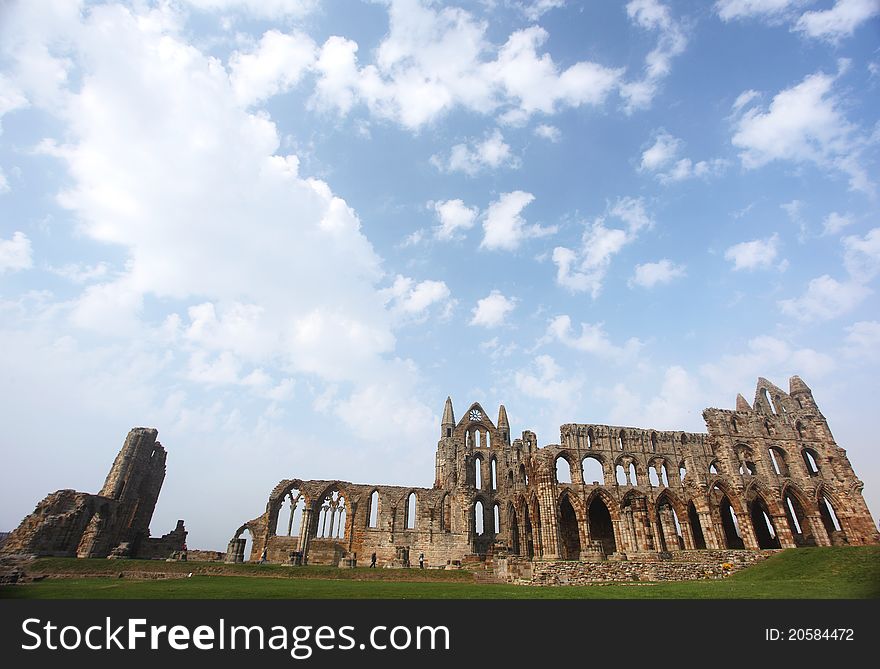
[
  {"x": 731, "y": 534},
  {"x": 765, "y": 532},
  {"x": 569, "y": 534},
  {"x": 514, "y": 530},
  {"x": 798, "y": 523},
  {"x": 601, "y": 527}
]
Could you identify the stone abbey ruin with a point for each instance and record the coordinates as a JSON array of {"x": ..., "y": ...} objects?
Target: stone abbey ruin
[
  {"x": 115, "y": 522},
  {"x": 765, "y": 476},
  {"x": 634, "y": 503}
]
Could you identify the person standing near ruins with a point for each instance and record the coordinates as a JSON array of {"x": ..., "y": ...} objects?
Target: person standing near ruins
[{"x": 373, "y": 560}]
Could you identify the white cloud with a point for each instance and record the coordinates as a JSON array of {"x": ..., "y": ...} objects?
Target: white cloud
[
  {"x": 434, "y": 59},
  {"x": 11, "y": 97},
  {"x": 861, "y": 255},
  {"x": 592, "y": 339},
  {"x": 839, "y": 21},
  {"x": 504, "y": 228},
  {"x": 491, "y": 310},
  {"x": 661, "y": 159},
  {"x": 490, "y": 153},
  {"x": 276, "y": 65},
  {"x": 824, "y": 299},
  {"x": 650, "y": 274},
  {"x": 661, "y": 152},
  {"x": 835, "y": 222},
  {"x": 113, "y": 307},
  {"x": 547, "y": 382},
  {"x": 803, "y": 123},
  {"x": 766, "y": 356},
  {"x": 79, "y": 273},
  {"x": 548, "y": 132},
  {"x": 454, "y": 217},
  {"x": 739, "y": 9},
  {"x": 262, "y": 9},
  {"x": 165, "y": 165},
  {"x": 15, "y": 253},
  {"x": 755, "y": 254},
  {"x": 743, "y": 99},
  {"x": 654, "y": 16},
  {"x": 535, "y": 9},
  {"x": 673, "y": 407},
  {"x": 4, "y": 183},
  {"x": 584, "y": 270},
  {"x": 411, "y": 301},
  {"x": 863, "y": 341},
  {"x": 794, "y": 210}
]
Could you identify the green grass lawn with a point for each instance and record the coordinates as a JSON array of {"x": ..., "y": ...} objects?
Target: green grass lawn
[{"x": 806, "y": 573}]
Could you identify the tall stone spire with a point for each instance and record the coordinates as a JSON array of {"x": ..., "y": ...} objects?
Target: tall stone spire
[
  {"x": 502, "y": 418},
  {"x": 503, "y": 425},
  {"x": 448, "y": 422}
]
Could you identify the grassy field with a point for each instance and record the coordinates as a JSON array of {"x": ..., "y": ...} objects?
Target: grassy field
[{"x": 807, "y": 573}]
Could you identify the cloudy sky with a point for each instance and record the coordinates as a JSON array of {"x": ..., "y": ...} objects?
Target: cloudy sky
[{"x": 283, "y": 231}]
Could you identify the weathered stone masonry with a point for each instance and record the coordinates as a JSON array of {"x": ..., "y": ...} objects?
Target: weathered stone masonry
[
  {"x": 116, "y": 521},
  {"x": 765, "y": 476}
]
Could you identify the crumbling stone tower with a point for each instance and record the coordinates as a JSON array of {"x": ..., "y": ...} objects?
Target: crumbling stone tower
[{"x": 117, "y": 519}]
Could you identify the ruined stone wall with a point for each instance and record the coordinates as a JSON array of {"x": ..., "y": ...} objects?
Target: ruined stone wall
[
  {"x": 763, "y": 477},
  {"x": 703, "y": 565}
]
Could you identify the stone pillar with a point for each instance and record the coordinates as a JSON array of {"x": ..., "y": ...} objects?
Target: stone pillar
[
  {"x": 818, "y": 527},
  {"x": 577, "y": 473},
  {"x": 628, "y": 529},
  {"x": 306, "y": 532},
  {"x": 713, "y": 532},
  {"x": 549, "y": 531},
  {"x": 687, "y": 534},
  {"x": 667, "y": 524},
  {"x": 642, "y": 525},
  {"x": 746, "y": 531},
  {"x": 783, "y": 531},
  {"x": 235, "y": 550}
]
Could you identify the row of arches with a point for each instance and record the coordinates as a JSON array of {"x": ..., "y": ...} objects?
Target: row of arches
[
  {"x": 592, "y": 471},
  {"x": 601, "y": 526},
  {"x": 627, "y": 471}
]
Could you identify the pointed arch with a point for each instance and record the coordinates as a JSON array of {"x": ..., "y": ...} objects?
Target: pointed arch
[
  {"x": 373, "y": 510},
  {"x": 727, "y": 515},
  {"x": 409, "y": 519},
  {"x": 600, "y": 520},
  {"x": 569, "y": 532},
  {"x": 513, "y": 529},
  {"x": 667, "y": 518}
]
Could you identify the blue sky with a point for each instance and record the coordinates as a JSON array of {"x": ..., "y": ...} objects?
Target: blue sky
[{"x": 282, "y": 232}]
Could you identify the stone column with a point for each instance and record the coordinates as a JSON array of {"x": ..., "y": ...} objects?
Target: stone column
[
  {"x": 306, "y": 531},
  {"x": 713, "y": 532},
  {"x": 687, "y": 534},
  {"x": 235, "y": 550},
  {"x": 746, "y": 531},
  {"x": 642, "y": 524},
  {"x": 783, "y": 531},
  {"x": 818, "y": 527},
  {"x": 667, "y": 524}
]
